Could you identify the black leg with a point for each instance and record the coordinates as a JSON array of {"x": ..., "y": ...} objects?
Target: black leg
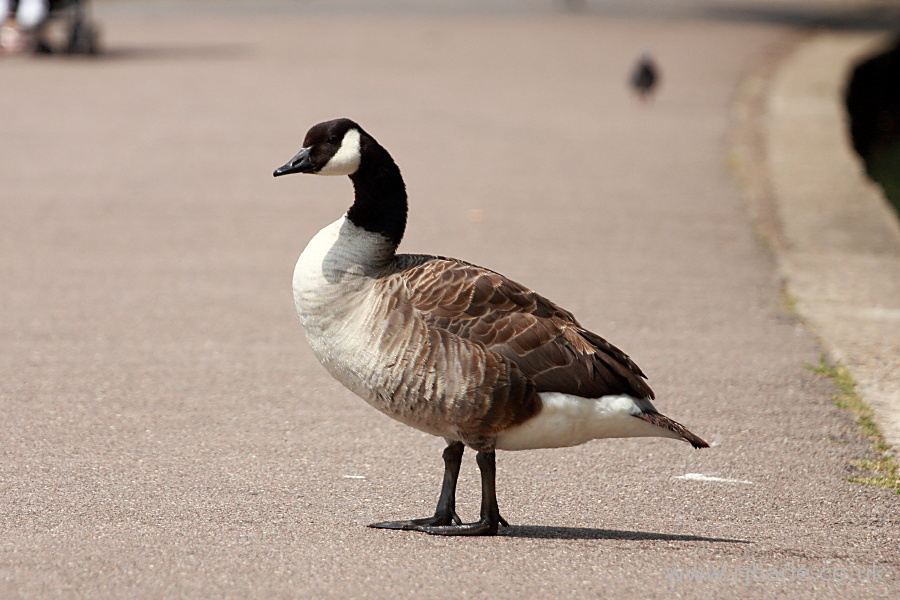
[
  {"x": 490, "y": 520},
  {"x": 445, "y": 513}
]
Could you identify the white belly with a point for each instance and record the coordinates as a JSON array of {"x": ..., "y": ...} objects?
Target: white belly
[{"x": 567, "y": 420}]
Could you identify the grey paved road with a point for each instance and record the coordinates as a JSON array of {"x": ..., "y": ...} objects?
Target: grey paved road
[{"x": 165, "y": 432}]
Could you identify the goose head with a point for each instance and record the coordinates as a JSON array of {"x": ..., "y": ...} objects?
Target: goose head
[{"x": 329, "y": 148}]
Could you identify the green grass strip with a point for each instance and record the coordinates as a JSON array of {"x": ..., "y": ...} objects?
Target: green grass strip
[{"x": 885, "y": 470}]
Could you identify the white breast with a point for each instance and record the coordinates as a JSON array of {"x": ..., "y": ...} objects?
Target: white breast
[
  {"x": 337, "y": 263},
  {"x": 333, "y": 283},
  {"x": 311, "y": 278}
]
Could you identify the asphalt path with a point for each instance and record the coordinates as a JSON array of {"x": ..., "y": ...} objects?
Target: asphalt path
[{"x": 165, "y": 431}]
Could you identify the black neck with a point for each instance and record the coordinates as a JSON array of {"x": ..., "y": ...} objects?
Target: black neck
[{"x": 380, "y": 205}]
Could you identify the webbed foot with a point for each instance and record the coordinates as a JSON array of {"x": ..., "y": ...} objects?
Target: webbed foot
[
  {"x": 438, "y": 520},
  {"x": 484, "y": 526}
]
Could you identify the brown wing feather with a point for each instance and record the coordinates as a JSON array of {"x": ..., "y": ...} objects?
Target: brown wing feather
[{"x": 545, "y": 341}]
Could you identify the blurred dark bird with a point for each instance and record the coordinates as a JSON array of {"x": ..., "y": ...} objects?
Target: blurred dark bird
[{"x": 645, "y": 77}]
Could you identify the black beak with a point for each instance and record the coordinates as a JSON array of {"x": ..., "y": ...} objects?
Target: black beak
[{"x": 299, "y": 164}]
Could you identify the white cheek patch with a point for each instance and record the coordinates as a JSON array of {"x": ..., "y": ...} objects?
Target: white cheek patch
[{"x": 346, "y": 159}]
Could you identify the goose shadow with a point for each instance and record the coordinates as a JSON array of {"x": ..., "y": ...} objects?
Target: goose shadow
[{"x": 589, "y": 533}]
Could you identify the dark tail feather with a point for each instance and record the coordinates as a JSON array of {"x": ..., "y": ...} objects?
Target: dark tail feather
[{"x": 661, "y": 420}]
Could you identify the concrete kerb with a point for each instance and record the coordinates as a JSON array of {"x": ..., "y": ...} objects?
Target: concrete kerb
[{"x": 835, "y": 239}]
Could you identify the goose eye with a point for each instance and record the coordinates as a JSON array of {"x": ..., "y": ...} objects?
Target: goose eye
[{"x": 333, "y": 139}]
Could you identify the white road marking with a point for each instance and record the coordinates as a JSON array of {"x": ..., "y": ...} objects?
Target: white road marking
[{"x": 710, "y": 478}]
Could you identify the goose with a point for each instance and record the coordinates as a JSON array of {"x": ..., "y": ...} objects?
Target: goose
[{"x": 447, "y": 347}]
